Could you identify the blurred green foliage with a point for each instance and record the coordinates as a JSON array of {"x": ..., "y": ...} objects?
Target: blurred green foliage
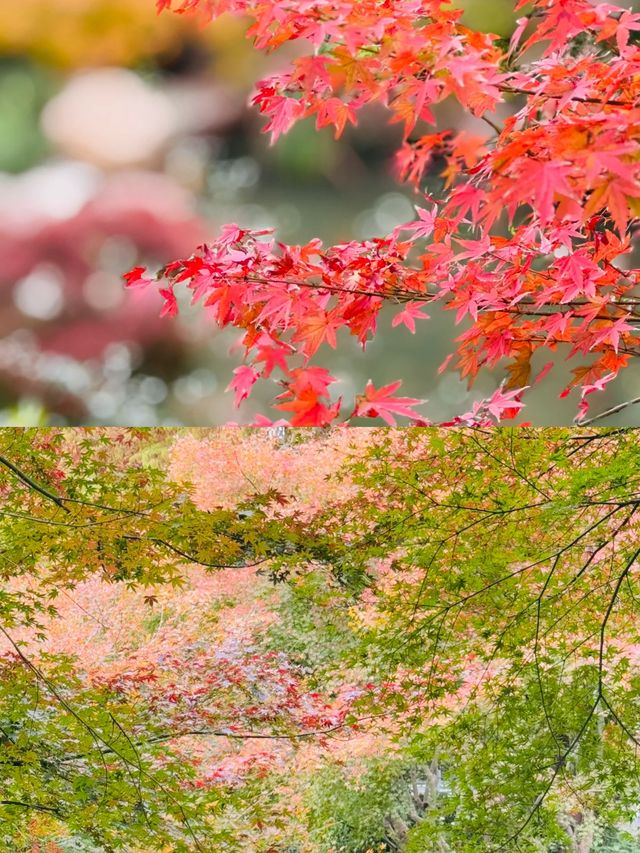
[
  {"x": 24, "y": 90},
  {"x": 495, "y": 16}
]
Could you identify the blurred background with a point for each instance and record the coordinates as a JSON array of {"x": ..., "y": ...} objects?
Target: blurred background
[{"x": 125, "y": 139}]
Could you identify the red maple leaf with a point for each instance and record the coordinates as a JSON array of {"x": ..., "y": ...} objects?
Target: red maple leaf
[
  {"x": 244, "y": 378},
  {"x": 381, "y": 404}
]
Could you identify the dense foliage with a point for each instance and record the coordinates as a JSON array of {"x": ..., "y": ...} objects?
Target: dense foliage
[
  {"x": 524, "y": 228},
  {"x": 501, "y": 611},
  {"x": 99, "y": 738},
  {"x": 447, "y": 660}
]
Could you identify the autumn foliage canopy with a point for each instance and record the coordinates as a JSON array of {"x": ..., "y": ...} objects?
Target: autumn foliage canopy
[
  {"x": 327, "y": 641},
  {"x": 524, "y": 231}
]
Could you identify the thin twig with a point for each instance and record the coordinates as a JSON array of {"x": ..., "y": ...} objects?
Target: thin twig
[{"x": 611, "y": 411}]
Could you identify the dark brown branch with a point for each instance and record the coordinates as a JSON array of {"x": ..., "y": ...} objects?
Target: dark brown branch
[
  {"x": 35, "y": 806},
  {"x": 221, "y": 733},
  {"x": 191, "y": 557},
  {"x": 20, "y": 474},
  {"x": 513, "y": 90}
]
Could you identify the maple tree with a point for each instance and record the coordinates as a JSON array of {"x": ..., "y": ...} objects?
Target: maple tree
[
  {"x": 525, "y": 232},
  {"x": 312, "y": 640},
  {"x": 498, "y": 611},
  {"x": 73, "y": 245},
  {"x": 487, "y": 604},
  {"x": 115, "y": 737}
]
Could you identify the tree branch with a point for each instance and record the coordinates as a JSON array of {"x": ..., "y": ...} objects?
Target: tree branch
[
  {"x": 20, "y": 474},
  {"x": 612, "y": 411},
  {"x": 35, "y": 806}
]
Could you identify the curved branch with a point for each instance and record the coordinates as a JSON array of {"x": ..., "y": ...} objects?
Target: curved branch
[
  {"x": 190, "y": 557},
  {"x": 35, "y": 806},
  {"x": 26, "y": 479}
]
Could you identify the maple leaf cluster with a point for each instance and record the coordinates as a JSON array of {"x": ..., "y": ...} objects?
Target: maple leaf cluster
[
  {"x": 528, "y": 241},
  {"x": 228, "y": 467}
]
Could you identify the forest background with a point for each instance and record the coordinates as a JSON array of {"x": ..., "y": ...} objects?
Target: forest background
[{"x": 319, "y": 641}]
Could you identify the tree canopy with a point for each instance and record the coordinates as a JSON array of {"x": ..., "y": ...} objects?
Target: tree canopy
[
  {"x": 93, "y": 746},
  {"x": 395, "y": 640}
]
